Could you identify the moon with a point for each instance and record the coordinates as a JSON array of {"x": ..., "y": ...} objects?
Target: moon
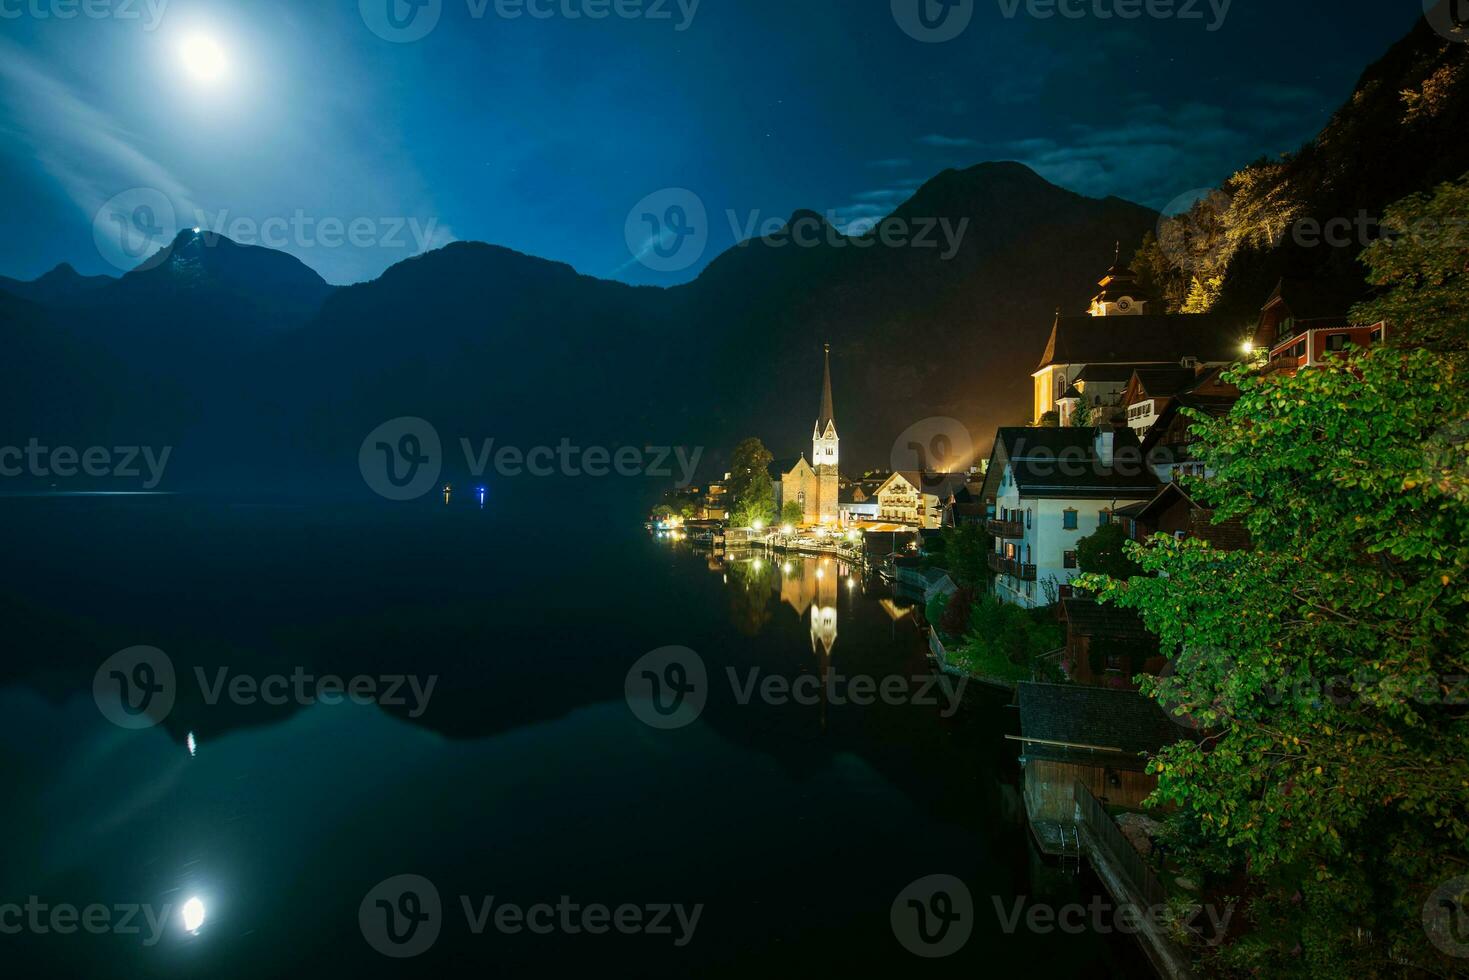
[{"x": 203, "y": 58}]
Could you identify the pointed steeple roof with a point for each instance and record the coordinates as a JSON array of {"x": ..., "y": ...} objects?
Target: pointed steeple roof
[{"x": 828, "y": 413}]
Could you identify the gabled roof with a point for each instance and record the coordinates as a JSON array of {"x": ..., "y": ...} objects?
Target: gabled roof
[
  {"x": 1215, "y": 405},
  {"x": 1165, "y": 382},
  {"x": 778, "y": 468},
  {"x": 1062, "y": 463},
  {"x": 1308, "y": 299},
  {"x": 1087, "y": 617},
  {"x": 1145, "y": 339},
  {"x": 1095, "y": 724}
]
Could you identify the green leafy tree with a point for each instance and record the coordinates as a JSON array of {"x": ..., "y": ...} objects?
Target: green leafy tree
[
  {"x": 1082, "y": 418},
  {"x": 1104, "y": 552},
  {"x": 966, "y": 551},
  {"x": 1319, "y": 667},
  {"x": 751, "y": 490},
  {"x": 1422, "y": 266},
  {"x": 792, "y": 513}
]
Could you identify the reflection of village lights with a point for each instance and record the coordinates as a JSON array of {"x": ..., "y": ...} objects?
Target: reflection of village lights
[
  {"x": 787, "y": 530},
  {"x": 758, "y": 564},
  {"x": 821, "y": 573},
  {"x": 787, "y": 568},
  {"x": 759, "y": 525},
  {"x": 192, "y": 744},
  {"x": 851, "y": 583}
]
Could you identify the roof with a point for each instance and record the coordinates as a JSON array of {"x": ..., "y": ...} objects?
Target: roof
[
  {"x": 1308, "y": 299},
  {"x": 778, "y": 468},
  {"x": 1118, "y": 726},
  {"x": 1106, "y": 373},
  {"x": 826, "y": 414},
  {"x": 1087, "y": 617},
  {"x": 1061, "y": 463},
  {"x": 1145, "y": 339},
  {"x": 1162, "y": 382}
]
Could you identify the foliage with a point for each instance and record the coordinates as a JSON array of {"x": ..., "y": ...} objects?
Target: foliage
[
  {"x": 1083, "y": 417},
  {"x": 1321, "y": 663},
  {"x": 1002, "y": 631},
  {"x": 661, "y": 512},
  {"x": 1423, "y": 266},
  {"x": 934, "y": 610},
  {"x": 1104, "y": 552},
  {"x": 751, "y": 490},
  {"x": 966, "y": 555},
  {"x": 1049, "y": 420},
  {"x": 955, "y": 617},
  {"x": 792, "y": 513}
]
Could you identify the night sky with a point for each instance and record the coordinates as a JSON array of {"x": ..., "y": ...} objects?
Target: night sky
[{"x": 542, "y": 133}]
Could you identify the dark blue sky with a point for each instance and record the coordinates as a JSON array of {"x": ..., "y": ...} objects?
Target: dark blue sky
[{"x": 541, "y": 134}]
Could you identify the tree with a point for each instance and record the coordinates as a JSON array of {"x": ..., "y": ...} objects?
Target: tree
[
  {"x": 966, "y": 554},
  {"x": 1422, "y": 265},
  {"x": 792, "y": 513},
  {"x": 751, "y": 490},
  {"x": 1082, "y": 417},
  {"x": 1318, "y": 669},
  {"x": 1104, "y": 552}
]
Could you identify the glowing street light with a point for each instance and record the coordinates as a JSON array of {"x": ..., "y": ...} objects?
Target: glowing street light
[
  {"x": 759, "y": 525},
  {"x": 787, "y": 530}
]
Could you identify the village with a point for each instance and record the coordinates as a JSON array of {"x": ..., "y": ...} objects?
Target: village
[{"x": 1109, "y": 458}]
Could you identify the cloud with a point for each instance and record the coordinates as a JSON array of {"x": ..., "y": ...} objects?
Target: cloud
[
  {"x": 80, "y": 148},
  {"x": 947, "y": 142},
  {"x": 894, "y": 163}
]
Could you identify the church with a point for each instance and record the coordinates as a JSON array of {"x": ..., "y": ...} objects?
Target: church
[{"x": 813, "y": 483}]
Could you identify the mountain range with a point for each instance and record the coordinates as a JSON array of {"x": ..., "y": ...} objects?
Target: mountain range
[{"x": 258, "y": 372}]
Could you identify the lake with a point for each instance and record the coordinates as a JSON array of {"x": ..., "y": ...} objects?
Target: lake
[{"x": 493, "y": 793}]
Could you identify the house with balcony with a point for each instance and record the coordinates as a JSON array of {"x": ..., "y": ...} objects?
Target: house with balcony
[
  {"x": 1305, "y": 322},
  {"x": 912, "y": 498},
  {"x": 1049, "y": 488}
]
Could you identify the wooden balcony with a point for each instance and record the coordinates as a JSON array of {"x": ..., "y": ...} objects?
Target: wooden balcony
[
  {"x": 1005, "y": 529},
  {"x": 1001, "y": 565}
]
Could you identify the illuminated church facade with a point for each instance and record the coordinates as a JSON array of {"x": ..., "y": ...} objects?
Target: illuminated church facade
[{"x": 814, "y": 483}]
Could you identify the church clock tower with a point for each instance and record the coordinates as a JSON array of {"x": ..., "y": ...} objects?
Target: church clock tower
[{"x": 824, "y": 455}]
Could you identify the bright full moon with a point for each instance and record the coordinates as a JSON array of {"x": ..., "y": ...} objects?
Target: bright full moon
[
  {"x": 203, "y": 58},
  {"x": 193, "y": 914}
]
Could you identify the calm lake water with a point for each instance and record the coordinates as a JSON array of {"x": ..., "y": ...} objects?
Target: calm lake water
[{"x": 524, "y": 774}]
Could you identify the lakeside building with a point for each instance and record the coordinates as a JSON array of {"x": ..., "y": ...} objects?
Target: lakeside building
[
  {"x": 1049, "y": 488},
  {"x": 815, "y": 484},
  {"x": 905, "y": 498},
  {"x": 1090, "y": 357}
]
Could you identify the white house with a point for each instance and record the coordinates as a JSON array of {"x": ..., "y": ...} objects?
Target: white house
[
  {"x": 1050, "y": 488},
  {"x": 909, "y": 497}
]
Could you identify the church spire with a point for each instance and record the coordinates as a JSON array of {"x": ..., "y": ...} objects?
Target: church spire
[{"x": 827, "y": 414}]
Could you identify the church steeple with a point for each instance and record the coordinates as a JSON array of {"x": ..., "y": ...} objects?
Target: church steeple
[
  {"x": 827, "y": 415},
  {"x": 824, "y": 439}
]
